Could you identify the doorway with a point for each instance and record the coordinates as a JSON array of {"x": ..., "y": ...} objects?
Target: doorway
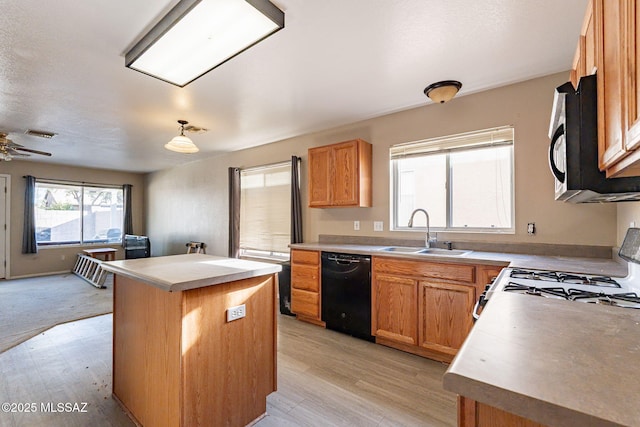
[{"x": 4, "y": 226}]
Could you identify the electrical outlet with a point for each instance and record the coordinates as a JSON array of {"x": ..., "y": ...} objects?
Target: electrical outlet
[
  {"x": 531, "y": 228},
  {"x": 632, "y": 224},
  {"x": 378, "y": 225},
  {"x": 356, "y": 225},
  {"x": 235, "y": 313}
]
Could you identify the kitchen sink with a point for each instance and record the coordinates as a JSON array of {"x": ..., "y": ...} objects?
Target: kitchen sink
[
  {"x": 448, "y": 252},
  {"x": 426, "y": 251},
  {"x": 403, "y": 249}
]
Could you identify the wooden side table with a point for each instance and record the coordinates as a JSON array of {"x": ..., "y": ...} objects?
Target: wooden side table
[{"x": 109, "y": 254}]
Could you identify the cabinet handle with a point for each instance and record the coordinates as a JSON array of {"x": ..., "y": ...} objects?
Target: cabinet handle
[{"x": 552, "y": 164}]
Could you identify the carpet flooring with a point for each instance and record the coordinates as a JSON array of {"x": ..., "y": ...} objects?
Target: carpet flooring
[{"x": 30, "y": 306}]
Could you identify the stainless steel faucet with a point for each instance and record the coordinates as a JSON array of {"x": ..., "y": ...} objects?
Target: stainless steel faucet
[{"x": 427, "y": 238}]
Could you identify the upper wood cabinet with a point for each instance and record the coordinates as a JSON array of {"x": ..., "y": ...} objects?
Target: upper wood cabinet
[
  {"x": 584, "y": 61},
  {"x": 617, "y": 45},
  {"x": 340, "y": 175},
  {"x": 610, "y": 34}
]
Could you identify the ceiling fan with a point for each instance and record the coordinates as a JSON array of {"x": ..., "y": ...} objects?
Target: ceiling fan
[{"x": 9, "y": 149}]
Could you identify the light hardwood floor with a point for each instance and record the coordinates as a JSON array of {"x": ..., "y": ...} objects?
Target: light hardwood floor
[{"x": 324, "y": 379}]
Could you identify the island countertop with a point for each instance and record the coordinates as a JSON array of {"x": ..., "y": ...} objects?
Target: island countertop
[
  {"x": 556, "y": 362},
  {"x": 189, "y": 271}
]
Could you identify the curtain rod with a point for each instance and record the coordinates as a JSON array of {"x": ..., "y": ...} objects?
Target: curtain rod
[
  {"x": 270, "y": 165},
  {"x": 52, "y": 180}
]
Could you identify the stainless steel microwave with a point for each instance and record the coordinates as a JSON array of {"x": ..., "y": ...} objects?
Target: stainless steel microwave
[{"x": 573, "y": 151}]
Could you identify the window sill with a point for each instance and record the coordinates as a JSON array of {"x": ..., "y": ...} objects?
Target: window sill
[{"x": 77, "y": 245}]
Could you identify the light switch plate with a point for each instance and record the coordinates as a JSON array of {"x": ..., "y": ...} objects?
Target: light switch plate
[
  {"x": 235, "y": 313},
  {"x": 378, "y": 225},
  {"x": 356, "y": 225}
]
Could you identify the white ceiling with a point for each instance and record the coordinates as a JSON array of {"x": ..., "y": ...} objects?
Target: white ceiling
[{"x": 335, "y": 62}]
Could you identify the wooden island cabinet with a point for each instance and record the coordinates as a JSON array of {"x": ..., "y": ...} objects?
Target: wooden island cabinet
[{"x": 179, "y": 357}]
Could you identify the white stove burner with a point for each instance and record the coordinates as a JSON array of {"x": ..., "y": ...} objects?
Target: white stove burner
[{"x": 615, "y": 291}]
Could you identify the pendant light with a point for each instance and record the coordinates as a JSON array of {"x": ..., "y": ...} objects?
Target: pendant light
[
  {"x": 443, "y": 91},
  {"x": 180, "y": 143}
]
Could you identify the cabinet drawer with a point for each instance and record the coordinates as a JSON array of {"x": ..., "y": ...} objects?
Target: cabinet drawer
[
  {"x": 305, "y": 277},
  {"x": 305, "y": 303},
  {"x": 305, "y": 257},
  {"x": 451, "y": 272}
]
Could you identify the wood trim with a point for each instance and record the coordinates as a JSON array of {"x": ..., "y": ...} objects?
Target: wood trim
[
  {"x": 464, "y": 273},
  {"x": 466, "y": 412},
  {"x": 311, "y": 320},
  {"x": 414, "y": 349}
]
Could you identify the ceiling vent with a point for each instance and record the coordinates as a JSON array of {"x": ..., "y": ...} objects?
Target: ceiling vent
[{"x": 40, "y": 133}]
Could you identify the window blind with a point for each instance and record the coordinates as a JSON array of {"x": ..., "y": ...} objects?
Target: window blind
[
  {"x": 463, "y": 141},
  {"x": 265, "y": 207}
]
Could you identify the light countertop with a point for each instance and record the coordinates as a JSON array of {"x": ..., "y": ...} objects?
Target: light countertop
[
  {"x": 595, "y": 266},
  {"x": 189, "y": 271},
  {"x": 556, "y": 362}
]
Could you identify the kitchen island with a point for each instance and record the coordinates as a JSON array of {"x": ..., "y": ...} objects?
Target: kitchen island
[
  {"x": 194, "y": 339},
  {"x": 556, "y": 362}
]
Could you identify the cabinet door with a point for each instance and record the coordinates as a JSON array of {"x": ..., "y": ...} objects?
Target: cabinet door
[
  {"x": 345, "y": 174},
  {"x": 305, "y": 303},
  {"x": 444, "y": 315},
  {"x": 394, "y": 309},
  {"x": 610, "y": 51},
  {"x": 632, "y": 21},
  {"x": 320, "y": 176},
  {"x": 305, "y": 277}
]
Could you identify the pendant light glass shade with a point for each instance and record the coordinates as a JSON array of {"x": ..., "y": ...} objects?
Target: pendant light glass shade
[{"x": 181, "y": 143}]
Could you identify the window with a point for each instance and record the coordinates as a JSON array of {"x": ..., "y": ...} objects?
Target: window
[
  {"x": 265, "y": 211},
  {"x": 464, "y": 182},
  {"x": 77, "y": 214}
]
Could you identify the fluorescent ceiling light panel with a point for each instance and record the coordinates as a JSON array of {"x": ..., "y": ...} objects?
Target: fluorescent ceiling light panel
[{"x": 196, "y": 36}]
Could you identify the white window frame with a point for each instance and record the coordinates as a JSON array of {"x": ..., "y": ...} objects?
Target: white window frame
[
  {"x": 468, "y": 141},
  {"x": 261, "y": 254}
]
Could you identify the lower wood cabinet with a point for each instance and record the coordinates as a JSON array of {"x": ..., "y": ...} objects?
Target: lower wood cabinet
[
  {"x": 305, "y": 285},
  {"x": 444, "y": 315},
  {"x": 476, "y": 414},
  {"x": 395, "y": 309},
  {"x": 425, "y": 307}
]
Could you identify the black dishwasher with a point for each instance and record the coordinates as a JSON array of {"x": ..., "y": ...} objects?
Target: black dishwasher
[{"x": 346, "y": 293}]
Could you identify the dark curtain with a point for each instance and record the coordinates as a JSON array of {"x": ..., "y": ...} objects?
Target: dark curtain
[
  {"x": 234, "y": 212},
  {"x": 296, "y": 203},
  {"x": 29, "y": 245},
  {"x": 128, "y": 215}
]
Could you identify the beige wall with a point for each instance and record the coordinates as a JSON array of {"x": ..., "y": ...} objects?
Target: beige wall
[
  {"x": 190, "y": 202},
  {"x": 627, "y": 213},
  {"x": 49, "y": 260}
]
